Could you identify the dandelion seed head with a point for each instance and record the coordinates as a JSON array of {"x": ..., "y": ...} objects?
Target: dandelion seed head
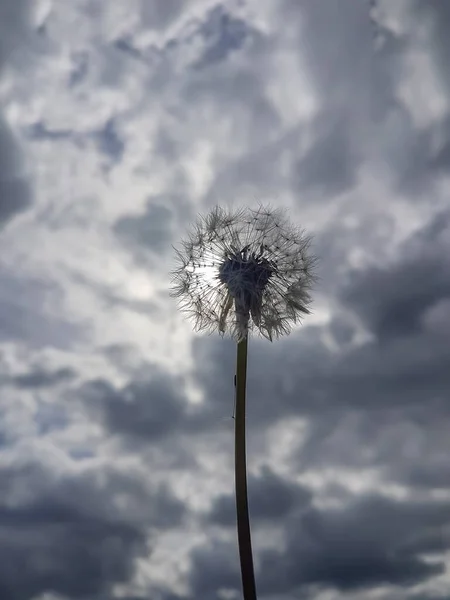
[{"x": 243, "y": 270}]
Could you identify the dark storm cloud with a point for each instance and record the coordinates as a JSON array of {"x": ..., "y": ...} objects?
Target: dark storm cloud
[
  {"x": 393, "y": 301},
  {"x": 428, "y": 475},
  {"x": 372, "y": 541},
  {"x": 214, "y": 567},
  {"x": 153, "y": 409},
  {"x": 69, "y": 532},
  {"x": 271, "y": 498},
  {"x": 271, "y": 369},
  {"x": 150, "y": 410},
  {"x": 439, "y": 161}
]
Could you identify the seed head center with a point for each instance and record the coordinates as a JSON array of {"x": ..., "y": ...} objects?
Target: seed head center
[{"x": 245, "y": 277}]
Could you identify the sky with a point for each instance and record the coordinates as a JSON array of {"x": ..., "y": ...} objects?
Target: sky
[{"x": 120, "y": 122}]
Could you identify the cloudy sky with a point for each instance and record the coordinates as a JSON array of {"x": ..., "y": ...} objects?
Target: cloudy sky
[{"x": 120, "y": 122}]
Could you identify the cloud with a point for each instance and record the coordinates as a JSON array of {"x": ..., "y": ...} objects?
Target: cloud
[
  {"x": 42, "y": 378},
  {"x": 121, "y": 121},
  {"x": 421, "y": 276},
  {"x": 150, "y": 409},
  {"x": 25, "y": 313},
  {"x": 222, "y": 34},
  {"x": 150, "y": 230},
  {"x": 15, "y": 21},
  {"x": 73, "y": 548},
  {"x": 369, "y": 541},
  {"x": 15, "y": 194},
  {"x": 215, "y": 569},
  {"x": 372, "y": 541},
  {"x": 329, "y": 165},
  {"x": 271, "y": 498},
  {"x": 15, "y": 190}
]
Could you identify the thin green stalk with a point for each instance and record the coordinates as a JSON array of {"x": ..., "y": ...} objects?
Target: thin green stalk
[{"x": 243, "y": 523}]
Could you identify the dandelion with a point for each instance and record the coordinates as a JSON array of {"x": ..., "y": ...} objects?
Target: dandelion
[
  {"x": 241, "y": 271},
  {"x": 251, "y": 260}
]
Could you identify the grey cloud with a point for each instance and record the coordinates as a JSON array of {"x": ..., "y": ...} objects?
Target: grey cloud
[
  {"x": 416, "y": 160},
  {"x": 109, "y": 141},
  {"x": 125, "y": 45},
  {"x": 214, "y": 568},
  {"x": 248, "y": 175},
  {"x": 151, "y": 230},
  {"x": 14, "y": 26},
  {"x": 252, "y": 108},
  {"x": 70, "y": 533},
  {"x": 222, "y": 34},
  {"x": 331, "y": 164},
  {"x": 15, "y": 194},
  {"x": 440, "y": 21},
  {"x": 271, "y": 498},
  {"x": 371, "y": 541},
  {"x": 355, "y": 85},
  {"x": 43, "y": 378},
  {"x": 107, "y": 138},
  {"x": 23, "y": 316},
  {"x": 258, "y": 173},
  {"x": 341, "y": 57},
  {"x": 392, "y": 301},
  {"x": 149, "y": 410},
  {"x": 40, "y": 131},
  {"x": 112, "y": 297},
  {"x": 160, "y": 15},
  {"x": 432, "y": 474}
]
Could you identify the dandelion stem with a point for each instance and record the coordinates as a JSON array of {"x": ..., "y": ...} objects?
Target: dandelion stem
[{"x": 243, "y": 523}]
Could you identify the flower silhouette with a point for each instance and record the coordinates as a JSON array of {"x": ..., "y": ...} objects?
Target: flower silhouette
[
  {"x": 244, "y": 269},
  {"x": 239, "y": 270}
]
